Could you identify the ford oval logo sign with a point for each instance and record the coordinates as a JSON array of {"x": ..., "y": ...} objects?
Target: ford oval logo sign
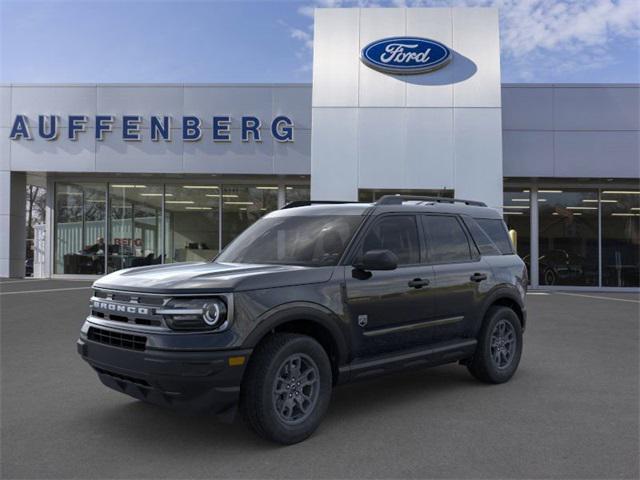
[{"x": 405, "y": 55}]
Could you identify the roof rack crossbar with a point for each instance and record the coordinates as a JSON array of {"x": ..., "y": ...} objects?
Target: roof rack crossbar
[
  {"x": 398, "y": 199},
  {"x": 306, "y": 203}
]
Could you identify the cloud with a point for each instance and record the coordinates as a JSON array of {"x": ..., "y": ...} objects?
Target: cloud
[{"x": 579, "y": 34}]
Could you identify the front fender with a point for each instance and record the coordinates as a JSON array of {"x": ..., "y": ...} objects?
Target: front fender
[{"x": 308, "y": 311}]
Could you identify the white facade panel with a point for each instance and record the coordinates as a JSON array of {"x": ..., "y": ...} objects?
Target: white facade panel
[
  {"x": 334, "y": 144},
  {"x": 115, "y": 155},
  {"x": 435, "y": 89},
  {"x": 228, "y": 157},
  {"x": 476, "y": 62},
  {"x": 5, "y": 149},
  {"x": 528, "y": 153},
  {"x": 293, "y": 158},
  {"x": 143, "y": 100},
  {"x": 527, "y": 108},
  {"x": 478, "y": 154},
  {"x": 294, "y": 102},
  {"x": 206, "y": 102},
  {"x": 429, "y": 149},
  {"x": 62, "y": 155},
  {"x": 53, "y": 100},
  {"x": 336, "y": 42},
  {"x": 381, "y": 147},
  {"x": 376, "y": 89},
  {"x": 597, "y": 154},
  {"x": 598, "y": 108}
]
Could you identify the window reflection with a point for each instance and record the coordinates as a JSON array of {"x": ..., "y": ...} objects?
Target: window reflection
[
  {"x": 297, "y": 193},
  {"x": 516, "y": 211},
  {"x": 134, "y": 225},
  {"x": 79, "y": 229},
  {"x": 620, "y": 238},
  {"x": 191, "y": 222},
  {"x": 568, "y": 236}
]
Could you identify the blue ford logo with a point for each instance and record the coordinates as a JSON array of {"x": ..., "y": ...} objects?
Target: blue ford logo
[{"x": 405, "y": 55}]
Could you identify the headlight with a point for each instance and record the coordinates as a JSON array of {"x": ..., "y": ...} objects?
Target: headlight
[{"x": 195, "y": 314}]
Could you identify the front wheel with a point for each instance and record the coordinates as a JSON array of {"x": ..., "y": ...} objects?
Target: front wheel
[
  {"x": 499, "y": 347},
  {"x": 287, "y": 388}
]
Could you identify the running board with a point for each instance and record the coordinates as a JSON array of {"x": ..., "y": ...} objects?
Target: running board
[{"x": 438, "y": 354}]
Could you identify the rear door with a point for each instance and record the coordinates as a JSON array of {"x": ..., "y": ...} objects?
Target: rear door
[
  {"x": 461, "y": 277},
  {"x": 389, "y": 309}
]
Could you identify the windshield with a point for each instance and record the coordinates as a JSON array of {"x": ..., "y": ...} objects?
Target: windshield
[{"x": 314, "y": 240}]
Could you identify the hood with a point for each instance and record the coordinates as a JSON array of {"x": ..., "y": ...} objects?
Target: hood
[{"x": 204, "y": 277}]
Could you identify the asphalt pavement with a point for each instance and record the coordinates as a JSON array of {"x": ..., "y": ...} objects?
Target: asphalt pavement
[{"x": 571, "y": 411}]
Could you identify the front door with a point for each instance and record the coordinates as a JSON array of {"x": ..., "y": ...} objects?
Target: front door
[{"x": 389, "y": 308}]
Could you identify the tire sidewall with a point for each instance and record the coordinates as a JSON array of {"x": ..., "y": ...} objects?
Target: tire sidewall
[
  {"x": 272, "y": 423},
  {"x": 496, "y": 374}
]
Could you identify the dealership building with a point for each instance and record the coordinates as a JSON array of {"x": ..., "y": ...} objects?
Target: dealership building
[{"x": 141, "y": 174}]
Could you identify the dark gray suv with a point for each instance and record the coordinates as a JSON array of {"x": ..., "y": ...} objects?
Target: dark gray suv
[{"x": 310, "y": 296}]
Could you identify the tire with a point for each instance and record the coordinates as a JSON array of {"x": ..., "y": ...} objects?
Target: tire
[
  {"x": 275, "y": 409},
  {"x": 497, "y": 364}
]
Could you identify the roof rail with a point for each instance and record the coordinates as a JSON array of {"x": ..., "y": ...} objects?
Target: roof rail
[
  {"x": 306, "y": 203},
  {"x": 398, "y": 199}
]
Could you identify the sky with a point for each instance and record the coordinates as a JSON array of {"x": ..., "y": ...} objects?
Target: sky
[{"x": 183, "y": 41}]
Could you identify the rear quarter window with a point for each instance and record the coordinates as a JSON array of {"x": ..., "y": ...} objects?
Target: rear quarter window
[{"x": 496, "y": 231}]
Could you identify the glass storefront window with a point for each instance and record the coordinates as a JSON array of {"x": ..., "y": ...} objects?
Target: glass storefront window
[
  {"x": 369, "y": 195},
  {"x": 516, "y": 211},
  {"x": 134, "y": 225},
  {"x": 192, "y": 230},
  {"x": 620, "y": 238},
  {"x": 242, "y": 205},
  {"x": 79, "y": 228},
  {"x": 296, "y": 193},
  {"x": 568, "y": 237}
]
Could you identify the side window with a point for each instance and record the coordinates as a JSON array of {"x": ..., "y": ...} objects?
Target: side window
[
  {"x": 484, "y": 243},
  {"x": 446, "y": 240},
  {"x": 398, "y": 233},
  {"x": 497, "y": 232}
]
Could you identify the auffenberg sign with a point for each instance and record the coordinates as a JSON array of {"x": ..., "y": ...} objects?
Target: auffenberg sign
[{"x": 49, "y": 127}]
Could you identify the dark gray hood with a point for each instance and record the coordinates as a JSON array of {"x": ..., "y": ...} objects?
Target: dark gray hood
[{"x": 203, "y": 277}]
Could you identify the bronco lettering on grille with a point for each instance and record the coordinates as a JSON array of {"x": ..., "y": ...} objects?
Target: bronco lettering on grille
[{"x": 116, "y": 307}]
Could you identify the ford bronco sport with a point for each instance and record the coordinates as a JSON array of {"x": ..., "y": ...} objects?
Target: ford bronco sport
[{"x": 311, "y": 296}]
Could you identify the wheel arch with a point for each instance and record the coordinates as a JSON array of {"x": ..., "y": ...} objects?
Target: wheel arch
[
  {"x": 506, "y": 298},
  {"x": 313, "y": 320}
]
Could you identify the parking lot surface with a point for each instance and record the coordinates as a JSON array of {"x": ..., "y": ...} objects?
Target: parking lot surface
[{"x": 571, "y": 411}]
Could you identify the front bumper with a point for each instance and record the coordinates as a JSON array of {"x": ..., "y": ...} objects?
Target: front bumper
[{"x": 186, "y": 380}]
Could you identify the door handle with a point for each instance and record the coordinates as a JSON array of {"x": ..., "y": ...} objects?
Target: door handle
[
  {"x": 478, "y": 277},
  {"x": 418, "y": 283}
]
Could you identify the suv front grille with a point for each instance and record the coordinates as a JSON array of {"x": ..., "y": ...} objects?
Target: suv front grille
[
  {"x": 128, "y": 308},
  {"x": 117, "y": 339}
]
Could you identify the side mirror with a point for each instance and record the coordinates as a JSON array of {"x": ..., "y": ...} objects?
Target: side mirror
[{"x": 377, "y": 260}]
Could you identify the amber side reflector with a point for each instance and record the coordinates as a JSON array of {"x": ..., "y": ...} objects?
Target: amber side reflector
[{"x": 236, "y": 361}]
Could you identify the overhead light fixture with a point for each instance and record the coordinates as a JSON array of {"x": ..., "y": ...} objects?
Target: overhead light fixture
[
  {"x": 589, "y": 200},
  {"x": 519, "y": 199},
  {"x": 621, "y": 192},
  {"x": 634, "y": 208},
  {"x": 515, "y": 206},
  {"x": 201, "y": 187},
  {"x": 581, "y": 208},
  {"x": 525, "y": 191},
  {"x": 549, "y": 191},
  {"x": 243, "y": 208},
  {"x": 178, "y": 202},
  {"x": 129, "y": 186},
  {"x": 156, "y": 194},
  {"x": 224, "y": 195},
  {"x": 267, "y": 188},
  {"x": 625, "y": 214},
  {"x": 198, "y": 208},
  {"x": 512, "y": 213},
  {"x": 238, "y": 203}
]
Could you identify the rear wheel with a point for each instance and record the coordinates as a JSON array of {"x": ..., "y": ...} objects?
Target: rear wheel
[
  {"x": 287, "y": 388},
  {"x": 499, "y": 347}
]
